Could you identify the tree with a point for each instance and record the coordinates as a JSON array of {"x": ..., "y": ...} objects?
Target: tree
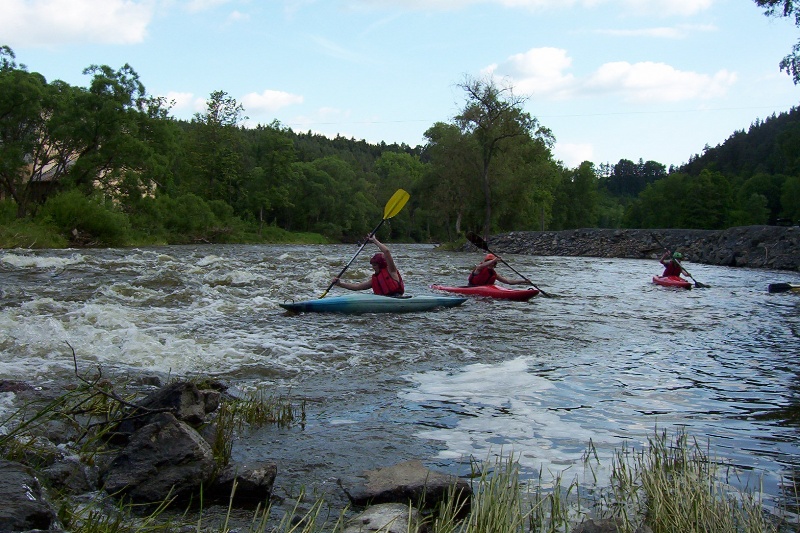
[
  {"x": 213, "y": 149},
  {"x": 397, "y": 170},
  {"x": 493, "y": 115},
  {"x": 629, "y": 179},
  {"x": 785, "y": 8},
  {"x": 269, "y": 157},
  {"x": 578, "y": 198},
  {"x": 449, "y": 190},
  {"x": 111, "y": 135},
  {"x": 23, "y": 122}
]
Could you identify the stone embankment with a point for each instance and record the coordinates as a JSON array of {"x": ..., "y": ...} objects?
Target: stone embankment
[{"x": 772, "y": 247}]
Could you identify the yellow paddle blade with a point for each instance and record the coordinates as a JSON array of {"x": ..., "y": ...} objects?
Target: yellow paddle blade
[{"x": 395, "y": 203}]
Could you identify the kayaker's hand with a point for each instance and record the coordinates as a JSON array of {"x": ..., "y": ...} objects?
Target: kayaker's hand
[{"x": 335, "y": 281}]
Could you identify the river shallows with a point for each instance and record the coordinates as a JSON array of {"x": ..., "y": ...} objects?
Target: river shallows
[{"x": 607, "y": 361}]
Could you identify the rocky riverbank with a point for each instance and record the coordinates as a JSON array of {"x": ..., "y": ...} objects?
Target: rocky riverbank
[{"x": 772, "y": 247}]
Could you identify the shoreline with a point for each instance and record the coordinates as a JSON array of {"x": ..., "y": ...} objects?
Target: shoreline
[{"x": 770, "y": 247}]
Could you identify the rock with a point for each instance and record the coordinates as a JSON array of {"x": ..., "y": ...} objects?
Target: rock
[
  {"x": 181, "y": 398},
  {"x": 386, "y": 518},
  {"x": 606, "y": 526},
  {"x": 9, "y": 385},
  {"x": 774, "y": 247},
  {"x": 24, "y": 506},
  {"x": 409, "y": 483},
  {"x": 253, "y": 483},
  {"x": 70, "y": 475},
  {"x": 165, "y": 457}
]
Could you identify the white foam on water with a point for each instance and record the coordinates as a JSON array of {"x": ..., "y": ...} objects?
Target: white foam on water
[
  {"x": 504, "y": 408},
  {"x": 37, "y": 261}
]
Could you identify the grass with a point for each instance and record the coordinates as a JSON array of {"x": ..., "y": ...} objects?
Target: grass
[
  {"x": 28, "y": 234},
  {"x": 256, "y": 408},
  {"x": 671, "y": 485},
  {"x": 675, "y": 485}
]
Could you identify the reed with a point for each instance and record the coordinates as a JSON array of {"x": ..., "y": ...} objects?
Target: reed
[
  {"x": 672, "y": 484},
  {"x": 255, "y": 409}
]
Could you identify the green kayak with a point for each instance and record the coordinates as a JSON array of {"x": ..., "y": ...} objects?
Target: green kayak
[{"x": 372, "y": 303}]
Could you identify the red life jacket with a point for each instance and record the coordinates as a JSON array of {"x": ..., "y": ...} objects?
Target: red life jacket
[
  {"x": 487, "y": 276},
  {"x": 385, "y": 285},
  {"x": 672, "y": 268}
]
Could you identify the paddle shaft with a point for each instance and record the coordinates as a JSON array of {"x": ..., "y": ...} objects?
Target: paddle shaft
[
  {"x": 354, "y": 257},
  {"x": 480, "y": 243},
  {"x": 697, "y": 283}
]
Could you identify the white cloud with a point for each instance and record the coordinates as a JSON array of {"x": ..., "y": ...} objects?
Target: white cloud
[
  {"x": 683, "y": 8},
  {"x": 671, "y": 32},
  {"x": 181, "y": 100},
  {"x": 237, "y": 16},
  {"x": 543, "y": 73},
  {"x": 185, "y": 105},
  {"x": 573, "y": 155},
  {"x": 195, "y": 6},
  {"x": 657, "y": 82},
  {"x": 49, "y": 22},
  {"x": 538, "y": 72},
  {"x": 653, "y": 7},
  {"x": 269, "y": 101}
]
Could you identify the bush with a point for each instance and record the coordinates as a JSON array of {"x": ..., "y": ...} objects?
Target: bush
[
  {"x": 29, "y": 234},
  {"x": 96, "y": 221}
]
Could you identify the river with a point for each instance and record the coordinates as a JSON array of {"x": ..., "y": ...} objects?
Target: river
[{"x": 606, "y": 361}]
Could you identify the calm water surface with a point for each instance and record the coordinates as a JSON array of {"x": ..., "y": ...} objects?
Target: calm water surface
[{"x": 607, "y": 361}]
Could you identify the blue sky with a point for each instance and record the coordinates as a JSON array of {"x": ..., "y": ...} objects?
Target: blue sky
[{"x": 613, "y": 79}]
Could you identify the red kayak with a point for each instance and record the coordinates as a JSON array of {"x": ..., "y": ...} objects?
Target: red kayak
[
  {"x": 672, "y": 281},
  {"x": 492, "y": 291}
]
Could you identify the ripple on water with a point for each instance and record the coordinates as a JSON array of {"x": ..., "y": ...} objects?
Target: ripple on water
[{"x": 604, "y": 362}]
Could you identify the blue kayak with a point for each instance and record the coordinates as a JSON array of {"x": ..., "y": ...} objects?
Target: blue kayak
[{"x": 372, "y": 303}]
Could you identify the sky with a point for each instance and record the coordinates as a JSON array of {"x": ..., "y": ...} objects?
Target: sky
[{"x": 656, "y": 80}]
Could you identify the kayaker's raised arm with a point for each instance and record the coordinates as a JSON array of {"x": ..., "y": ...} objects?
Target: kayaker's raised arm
[{"x": 386, "y": 281}]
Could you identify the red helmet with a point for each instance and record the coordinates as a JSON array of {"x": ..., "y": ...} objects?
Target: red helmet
[{"x": 379, "y": 260}]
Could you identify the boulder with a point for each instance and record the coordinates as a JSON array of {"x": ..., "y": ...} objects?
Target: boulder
[
  {"x": 253, "y": 483},
  {"x": 409, "y": 483},
  {"x": 24, "y": 506},
  {"x": 386, "y": 518},
  {"x": 167, "y": 457}
]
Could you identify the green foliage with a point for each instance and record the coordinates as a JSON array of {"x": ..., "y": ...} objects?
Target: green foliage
[
  {"x": 89, "y": 216},
  {"x": 26, "y": 233},
  {"x": 790, "y": 199},
  {"x": 786, "y": 8},
  {"x": 681, "y": 201},
  {"x": 493, "y": 117},
  {"x": 154, "y": 180},
  {"x": 577, "y": 198}
]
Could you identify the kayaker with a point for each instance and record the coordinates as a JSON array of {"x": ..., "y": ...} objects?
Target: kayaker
[
  {"x": 672, "y": 266},
  {"x": 386, "y": 281},
  {"x": 485, "y": 274}
]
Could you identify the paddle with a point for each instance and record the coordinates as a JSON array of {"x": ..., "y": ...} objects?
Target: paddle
[
  {"x": 393, "y": 206},
  {"x": 783, "y": 287},
  {"x": 696, "y": 283},
  {"x": 478, "y": 241}
]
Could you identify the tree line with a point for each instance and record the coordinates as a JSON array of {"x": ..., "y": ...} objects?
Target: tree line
[{"x": 107, "y": 165}]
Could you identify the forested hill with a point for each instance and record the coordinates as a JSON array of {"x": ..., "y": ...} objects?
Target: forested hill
[
  {"x": 107, "y": 165},
  {"x": 768, "y": 147}
]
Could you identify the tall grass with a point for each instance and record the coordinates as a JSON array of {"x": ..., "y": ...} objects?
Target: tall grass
[
  {"x": 675, "y": 485},
  {"x": 672, "y": 484}
]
